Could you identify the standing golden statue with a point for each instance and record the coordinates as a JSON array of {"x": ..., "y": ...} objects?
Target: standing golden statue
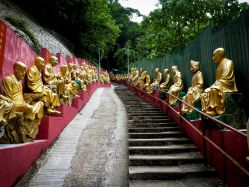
[
  {"x": 155, "y": 85},
  {"x": 166, "y": 82},
  {"x": 177, "y": 87},
  {"x": 195, "y": 91},
  {"x": 213, "y": 98},
  {"x": 35, "y": 84},
  {"x": 24, "y": 127}
]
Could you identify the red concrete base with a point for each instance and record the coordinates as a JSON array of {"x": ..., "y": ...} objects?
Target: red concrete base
[
  {"x": 67, "y": 113},
  {"x": 15, "y": 160},
  {"x": 50, "y": 128},
  {"x": 78, "y": 103}
]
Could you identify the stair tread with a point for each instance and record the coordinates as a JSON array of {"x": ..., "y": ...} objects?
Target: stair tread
[
  {"x": 186, "y": 155},
  {"x": 157, "y": 139},
  {"x": 189, "y": 168},
  {"x": 182, "y": 146},
  {"x": 149, "y": 133}
]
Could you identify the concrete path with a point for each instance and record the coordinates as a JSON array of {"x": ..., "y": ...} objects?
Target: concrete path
[{"x": 92, "y": 149}]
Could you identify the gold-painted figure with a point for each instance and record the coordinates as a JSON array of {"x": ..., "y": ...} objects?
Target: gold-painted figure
[
  {"x": 213, "y": 98},
  {"x": 155, "y": 85},
  {"x": 166, "y": 82},
  {"x": 24, "y": 127},
  {"x": 35, "y": 84},
  {"x": 195, "y": 91},
  {"x": 177, "y": 87}
]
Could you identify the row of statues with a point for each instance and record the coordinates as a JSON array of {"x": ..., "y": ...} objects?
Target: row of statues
[
  {"x": 212, "y": 99},
  {"x": 21, "y": 113}
]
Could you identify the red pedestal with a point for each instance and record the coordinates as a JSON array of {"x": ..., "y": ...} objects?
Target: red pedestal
[
  {"x": 50, "y": 128},
  {"x": 15, "y": 160},
  {"x": 78, "y": 103}
]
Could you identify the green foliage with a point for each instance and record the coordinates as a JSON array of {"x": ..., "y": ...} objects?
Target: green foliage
[
  {"x": 170, "y": 28},
  {"x": 22, "y": 25}
]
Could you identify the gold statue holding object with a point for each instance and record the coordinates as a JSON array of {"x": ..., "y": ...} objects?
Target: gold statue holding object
[
  {"x": 166, "y": 82},
  {"x": 24, "y": 127},
  {"x": 213, "y": 98},
  {"x": 35, "y": 84},
  {"x": 177, "y": 87},
  {"x": 195, "y": 91},
  {"x": 155, "y": 85}
]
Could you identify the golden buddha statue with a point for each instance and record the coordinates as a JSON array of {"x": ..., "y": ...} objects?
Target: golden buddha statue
[
  {"x": 155, "y": 85},
  {"x": 135, "y": 77},
  {"x": 141, "y": 80},
  {"x": 195, "y": 91},
  {"x": 213, "y": 98},
  {"x": 177, "y": 87},
  {"x": 25, "y": 127},
  {"x": 147, "y": 81},
  {"x": 166, "y": 83},
  {"x": 35, "y": 84}
]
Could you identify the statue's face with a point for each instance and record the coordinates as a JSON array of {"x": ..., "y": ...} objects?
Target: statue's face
[
  {"x": 194, "y": 68},
  {"x": 53, "y": 62},
  {"x": 39, "y": 62},
  {"x": 19, "y": 72},
  {"x": 63, "y": 70},
  {"x": 217, "y": 57}
]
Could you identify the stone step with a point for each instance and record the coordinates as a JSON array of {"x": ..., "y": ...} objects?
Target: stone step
[
  {"x": 150, "y": 120},
  {"x": 153, "y": 129},
  {"x": 146, "y": 114},
  {"x": 166, "y": 160},
  {"x": 185, "y": 182},
  {"x": 170, "y": 172},
  {"x": 144, "y": 117},
  {"x": 158, "y": 141},
  {"x": 155, "y": 134},
  {"x": 149, "y": 125},
  {"x": 157, "y": 150}
]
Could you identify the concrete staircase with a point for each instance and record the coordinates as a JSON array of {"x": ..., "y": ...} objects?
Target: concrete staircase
[{"x": 158, "y": 154}]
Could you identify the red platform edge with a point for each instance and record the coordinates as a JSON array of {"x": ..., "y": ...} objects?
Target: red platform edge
[{"x": 16, "y": 159}]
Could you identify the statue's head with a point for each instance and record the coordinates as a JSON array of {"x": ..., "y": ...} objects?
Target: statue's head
[
  {"x": 194, "y": 66},
  {"x": 53, "y": 60},
  {"x": 75, "y": 67},
  {"x": 166, "y": 71},
  {"x": 174, "y": 69},
  {"x": 218, "y": 55},
  {"x": 19, "y": 70},
  {"x": 157, "y": 70},
  {"x": 63, "y": 69},
  {"x": 39, "y": 62},
  {"x": 70, "y": 66}
]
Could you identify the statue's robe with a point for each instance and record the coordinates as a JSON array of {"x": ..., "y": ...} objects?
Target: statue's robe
[
  {"x": 12, "y": 88},
  {"x": 213, "y": 98},
  {"x": 35, "y": 83}
]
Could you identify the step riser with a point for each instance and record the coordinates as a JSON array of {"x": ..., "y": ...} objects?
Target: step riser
[
  {"x": 151, "y": 125},
  {"x": 161, "y": 152},
  {"x": 141, "y": 136},
  {"x": 158, "y": 143},
  {"x": 138, "y": 162},
  {"x": 153, "y": 130},
  {"x": 169, "y": 176}
]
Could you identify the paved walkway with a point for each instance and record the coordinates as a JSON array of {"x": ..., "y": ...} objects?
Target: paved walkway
[{"x": 92, "y": 149}]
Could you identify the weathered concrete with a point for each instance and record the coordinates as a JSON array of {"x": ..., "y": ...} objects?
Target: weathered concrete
[{"x": 92, "y": 150}]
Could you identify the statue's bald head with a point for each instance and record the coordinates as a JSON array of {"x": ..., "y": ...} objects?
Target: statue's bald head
[
  {"x": 39, "y": 62},
  {"x": 218, "y": 55},
  {"x": 53, "y": 60},
  {"x": 19, "y": 70}
]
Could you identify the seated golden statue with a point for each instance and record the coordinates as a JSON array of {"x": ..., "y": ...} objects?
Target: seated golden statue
[
  {"x": 75, "y": 77},
  {"x": 177, "y": 87},
  {"x": 35, "y": 84},
  {"x": 135, "y": 77},
  {"x": 166, "y": 82},
  {"x": 195, "y": 91},
  {"x": 155, "y": 85},
  {"x": 141, "y": 80},
  {"x": 213, "y": 98},
  {"x": 147, "y": 81},
  {"x": 24, "y": 128},
  {"x": 67, "y": 90}
]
